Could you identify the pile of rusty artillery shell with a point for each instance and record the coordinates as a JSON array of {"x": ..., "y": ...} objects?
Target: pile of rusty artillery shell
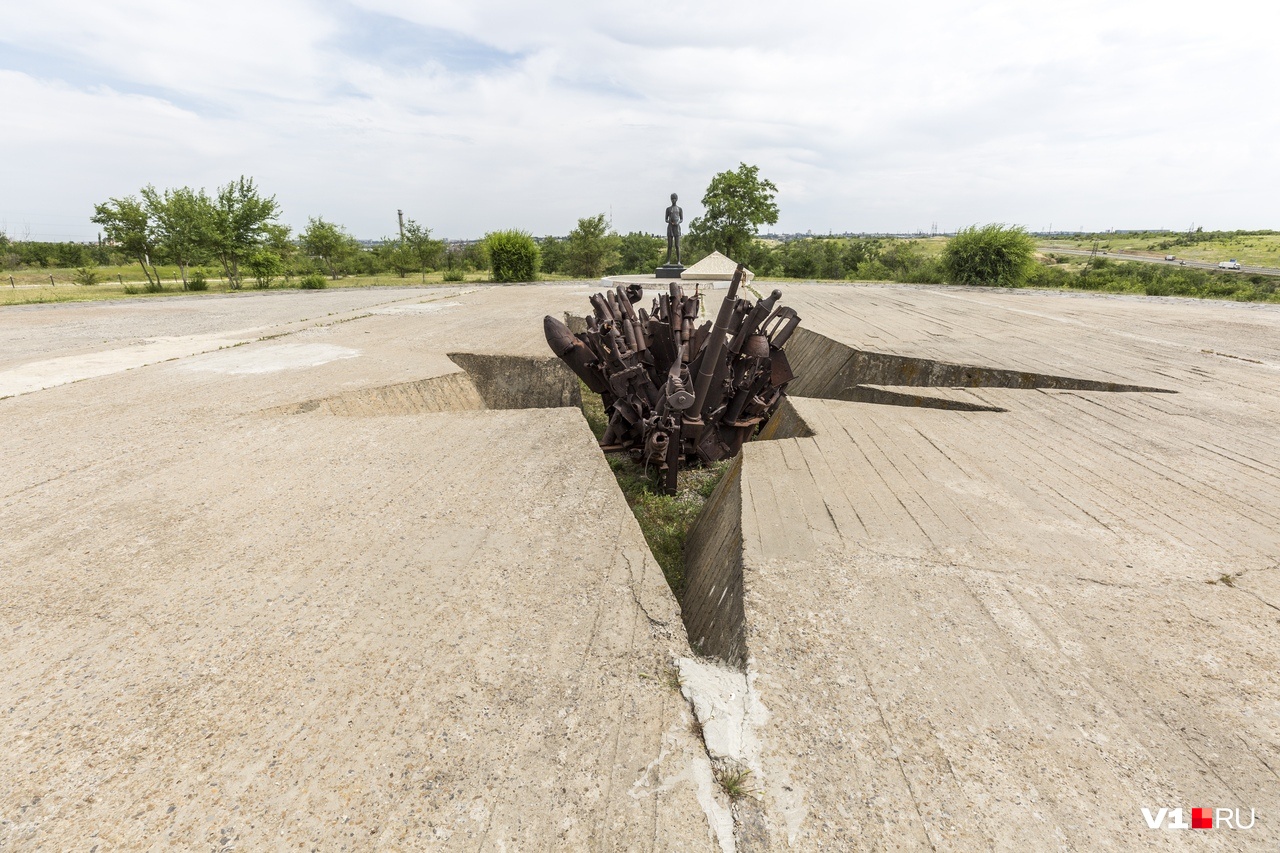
[{"x": 677, "y": 393}]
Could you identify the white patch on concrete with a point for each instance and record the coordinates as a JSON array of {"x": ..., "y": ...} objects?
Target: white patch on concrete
[
  {"x": 417, "y": 308},
  {"x": 733, "y": 718},
  {"x": 270, "y": 358},
  {"x": 719, "y": 698},
  {"x": 697, "y": 772},
  {"x": 784, "y": 795},
  {"x": 719, "y": 816},
  {"x": 51, "y": 372}
]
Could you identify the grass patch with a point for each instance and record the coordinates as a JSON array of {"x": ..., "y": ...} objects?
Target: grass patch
[
  {"x": 1251, "y": 248},
  {"x": 665, "y": 520},
  {"x": 31, "y": 287},
  {"x": 1108, "y": 276},
  {"x": 736, "y": 783}
]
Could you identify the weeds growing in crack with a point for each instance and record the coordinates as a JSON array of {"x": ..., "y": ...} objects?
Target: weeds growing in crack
[
  {"x": 665, "y": 520},
  {"x": 1226, "y": 580},
  {"x": 736, "y": 782}
]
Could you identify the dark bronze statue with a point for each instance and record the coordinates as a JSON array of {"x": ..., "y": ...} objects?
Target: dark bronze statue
[{"x": 675, "y": 216}]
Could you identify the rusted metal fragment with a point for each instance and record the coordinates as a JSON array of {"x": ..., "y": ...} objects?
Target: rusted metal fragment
[{"x": 678, "y": 393}]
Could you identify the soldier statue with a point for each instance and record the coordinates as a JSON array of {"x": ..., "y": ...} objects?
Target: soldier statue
[{"x": 675, "y": 216}]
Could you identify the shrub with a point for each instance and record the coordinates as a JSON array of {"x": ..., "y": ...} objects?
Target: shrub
[
  {"x": 197, "y": 281},
  {"x": 86, "y": 276},
  {"x": 513, "y": 255},
  {"x": 551, "y": 255},
  {"x": 455, "y": 274},
  {"x": 264, "y": 265},
  {"x": 995, "y": 255},
  {"x": 591, "y": 248},
  {"x": 312, "y": 281}
]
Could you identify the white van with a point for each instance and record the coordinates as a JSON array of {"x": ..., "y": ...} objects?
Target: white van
[{"x": 1232, "y": 264}]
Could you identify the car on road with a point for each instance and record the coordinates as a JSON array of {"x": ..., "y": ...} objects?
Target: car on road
[
  {"x": 1232, "y": 264},
  {"x": 1169, "y": 258}
]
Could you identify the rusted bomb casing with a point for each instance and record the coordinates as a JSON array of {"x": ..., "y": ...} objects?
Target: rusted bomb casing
[
  {"x": 574, "y": 353},
  {"x": 677, "y": 393}
]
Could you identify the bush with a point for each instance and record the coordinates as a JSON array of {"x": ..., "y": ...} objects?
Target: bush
[
  {"x": 264, "y": 265},
  {"x": 994, "y": 255},
  {"x": 86, "y": 276},
  {"x": 455, "y": 274},
  {"x": 513, "y": 255},
  {"x": 312, "y": 281},
  {"x": 551, "y": 255},
  {"x": 639, "y": 253},
  {"x": 591, "y": 248},
  {"x": 197, "y": 281}
]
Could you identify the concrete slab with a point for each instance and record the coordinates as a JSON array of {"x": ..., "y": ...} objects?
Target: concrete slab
[
  {"x": 261, "y": 598},
  {"x": 1016, "y": 629},
  {"x": 226, "y": 625}
]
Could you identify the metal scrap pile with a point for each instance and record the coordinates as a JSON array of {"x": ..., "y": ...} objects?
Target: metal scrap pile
[{"x": 677, "y": 393}]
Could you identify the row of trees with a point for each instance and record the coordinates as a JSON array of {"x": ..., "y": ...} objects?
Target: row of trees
[{"x": 237, "y": 229}]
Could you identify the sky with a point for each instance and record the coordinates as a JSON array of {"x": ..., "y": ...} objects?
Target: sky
[{"x": 491, "y": 114}]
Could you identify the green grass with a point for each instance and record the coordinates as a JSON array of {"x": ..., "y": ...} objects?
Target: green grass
[
  {"x": 1108, "y": 276},
  {"x": 1250, "y": 249},
  {"x": 736, "y": 783},
  {"x": 33, "y": 285},
  {"x": 665, "y": 520}
]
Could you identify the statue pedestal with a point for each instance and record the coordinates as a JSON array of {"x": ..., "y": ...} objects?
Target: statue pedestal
[{"x": 669, "y": 271}]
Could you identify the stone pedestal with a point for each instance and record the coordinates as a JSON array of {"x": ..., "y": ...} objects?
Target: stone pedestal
[{"x": 669, "y": 271}]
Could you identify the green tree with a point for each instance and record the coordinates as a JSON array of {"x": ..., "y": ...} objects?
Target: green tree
[
  {"x": 184, "y": 221},
  {"x": 513, "y": 255},
  {"x": 265, "y": 266},
  {"x": 591, "y": 248},
  {"x": 279, "y": 239},
  {"x": 995, "y": 254},
  {"x": 424, "y": 251},
  {"x": 239, "y": 225},
  {"x": 126, "y": 223},
  {"x": 737, "y": 204},
  {"x": 640, "y": 253},
  {"x": 395, "y": 256},
  {"x": 326, "y": 241},
  {"x": 552, "y": 255}
]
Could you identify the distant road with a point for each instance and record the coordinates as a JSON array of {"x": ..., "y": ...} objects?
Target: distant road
[{"x": 1150, "y": 259}]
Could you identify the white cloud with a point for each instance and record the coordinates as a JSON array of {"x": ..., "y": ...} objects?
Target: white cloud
[{"x": 489, "y": 114}]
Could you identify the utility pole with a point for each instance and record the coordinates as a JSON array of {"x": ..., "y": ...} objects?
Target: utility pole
[{"x": 400, "y": 214}]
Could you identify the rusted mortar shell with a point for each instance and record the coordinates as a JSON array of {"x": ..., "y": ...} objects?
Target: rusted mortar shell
[{"x": 574, "y": 353}]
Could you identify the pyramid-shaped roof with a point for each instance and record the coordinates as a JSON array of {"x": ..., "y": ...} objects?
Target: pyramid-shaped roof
[{"x": 715, "y": 267}]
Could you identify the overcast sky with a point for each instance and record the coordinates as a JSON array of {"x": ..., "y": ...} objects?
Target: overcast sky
[{"x": 487, "y": 114}]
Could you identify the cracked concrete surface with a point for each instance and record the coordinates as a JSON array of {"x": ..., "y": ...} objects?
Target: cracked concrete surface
[
  {"x": 1002, "y": 630},
  {"x": 225, "y": 627},
  {"x": 235, "y": 620}
]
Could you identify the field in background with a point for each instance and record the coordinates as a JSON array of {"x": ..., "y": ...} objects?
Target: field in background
[
  {"x": 1260, "y": 250},
  {"x": 902, "y": 260},
  {"x": 31, "y": 287}
]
